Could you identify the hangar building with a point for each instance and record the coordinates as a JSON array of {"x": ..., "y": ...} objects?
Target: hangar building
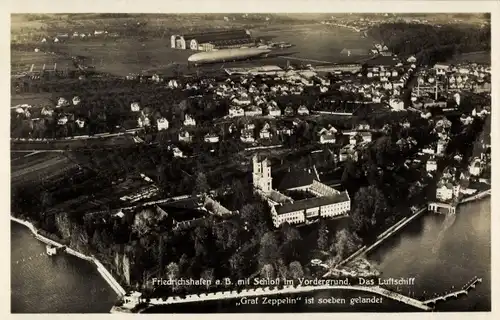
[{"x": 207, "y": 41}]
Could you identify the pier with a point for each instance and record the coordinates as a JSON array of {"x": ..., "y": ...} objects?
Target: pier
[
  {"x": 464, "y": 291},
  {"x": 478, "y": 196},
  {"x": 442, "y": 207}
]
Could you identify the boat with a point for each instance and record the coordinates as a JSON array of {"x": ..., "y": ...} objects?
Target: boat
[{"x": 51, "y": 250}]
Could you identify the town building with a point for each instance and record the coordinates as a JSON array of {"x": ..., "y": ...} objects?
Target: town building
[
  {"x": 236, "y": 111},
  {"x": 302, "y": 110},
  {"x": 475, "y": 168},
  {"x": 211, "y": 138},
  {"x": 431, "y": 165},
  {"x": 185, "y": 136},
  {"x": 253, "y": 111},
  {"x": 162, "y": 124},
  {"x": 210, "y": 40},
  {"x": 189, "y": 121},
  {"x": 135, "y": 107},
  {"x": 327, "y": 135},
  {"x": 325, "y": 203},
  {"x": 274, "y": 111},
  {"x": 265, "y": 132}
]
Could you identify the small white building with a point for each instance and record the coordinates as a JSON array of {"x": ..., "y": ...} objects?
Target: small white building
[
  {"x": 76, "y": 100},
  {"x": 475, "y": 168},
  {"x": 441, "y": 146},
  {"x": 236, "y": 111},
  {"x": 211, "y": 138},
  {"x": 302, "y": 110},
  {"x": 62, "y": 120},
  {"x": 172, "y": 84},
  {"x": 253, "y": 111},
  {"x": 177, "y": 152},
  {"x": 61, "y": 102},
  {"x": 185, "y": 136},
  {"x": 247, "y": 136},
  {"x": 80, "y": 123},
  {"x": 444, "y": 192},
  {"x": 135, "y": 107},
  {"x": 396, "y": 104},
  {"x": 143, "y": 121},
  {"x": 431, "y": 165},
  {"x": 189, "y": 121},
  {"x": 162, "y": 124},
  {"x": 274, "y": 111},
  {"x": 46, "y": 111},
  {"x": 327, "y": 135},
  {"x": 265, "y": 132}
]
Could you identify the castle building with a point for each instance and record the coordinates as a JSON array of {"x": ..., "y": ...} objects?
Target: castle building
[{"x": 325, "y": 202}]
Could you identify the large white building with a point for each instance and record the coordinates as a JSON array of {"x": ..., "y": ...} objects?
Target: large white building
[{"x": 327, "y": 203}]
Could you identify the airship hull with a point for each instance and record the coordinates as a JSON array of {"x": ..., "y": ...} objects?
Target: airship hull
[{"x": 227, "y": 55}]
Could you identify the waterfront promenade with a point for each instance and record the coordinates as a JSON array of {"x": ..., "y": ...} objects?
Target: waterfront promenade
[
  {"x": 100, "y": 267},
  {"x": 287, "y": 290}
]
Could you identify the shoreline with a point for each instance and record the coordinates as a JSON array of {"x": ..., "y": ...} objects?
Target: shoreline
[
  {"x": 100, "y": 267},
  {"x": 400, "y": 225}
]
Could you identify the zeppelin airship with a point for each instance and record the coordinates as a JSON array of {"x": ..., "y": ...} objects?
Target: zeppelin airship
[{"x": 226, "y": 55}]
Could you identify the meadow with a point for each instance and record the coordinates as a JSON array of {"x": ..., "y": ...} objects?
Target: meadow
[{"x": 481, "y": 57}]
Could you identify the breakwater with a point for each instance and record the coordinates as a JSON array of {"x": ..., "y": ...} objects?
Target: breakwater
[{"x": 100, "y": 267}]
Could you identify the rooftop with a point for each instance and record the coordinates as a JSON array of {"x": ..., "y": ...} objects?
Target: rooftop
[
  {"x": 312, "y": 203},
  {"x": 216, "y": 36},
  {"x": 295, "y": 178}
]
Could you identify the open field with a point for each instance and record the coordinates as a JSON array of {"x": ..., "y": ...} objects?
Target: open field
[
  {"x": 35, "y": 100},
  {"x": 124, "y": 55},
  {"x": 21, "y": 61},
  {"x": 483, "y": 57},
  {"x": 318, "y": 42},
  {"x": 40, "y": 166}
]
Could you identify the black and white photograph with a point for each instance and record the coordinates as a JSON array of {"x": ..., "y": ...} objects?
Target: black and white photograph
[{"x": 250, "y": 162}]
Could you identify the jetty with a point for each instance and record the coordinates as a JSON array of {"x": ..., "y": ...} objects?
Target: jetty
[{"x": 464, "y": 291}]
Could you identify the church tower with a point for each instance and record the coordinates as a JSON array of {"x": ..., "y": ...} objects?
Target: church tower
[{"x": 262, "y": 174}]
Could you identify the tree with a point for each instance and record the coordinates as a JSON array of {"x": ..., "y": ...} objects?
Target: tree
[
  {"x": 208, "y": 275},
  {"x": 143, "y": 221},
  {"x": 201, "y": 184},
  {"x": 268, "y": 253},
  {"x": 238, "y": 264},
  {"x": 295, "y": 270},
  {"x": 291, "y": 240},
  {"x": 267, "y": 271},
  {"x": 345, "y": 243},
  {"x": 370, "y": 210},
  {"x": 322, "y": 236}
]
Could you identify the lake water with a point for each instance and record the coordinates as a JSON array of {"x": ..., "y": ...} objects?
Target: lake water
[
  {"x": 62, "y": 283},
  {"x": 439, "y": 258}
]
